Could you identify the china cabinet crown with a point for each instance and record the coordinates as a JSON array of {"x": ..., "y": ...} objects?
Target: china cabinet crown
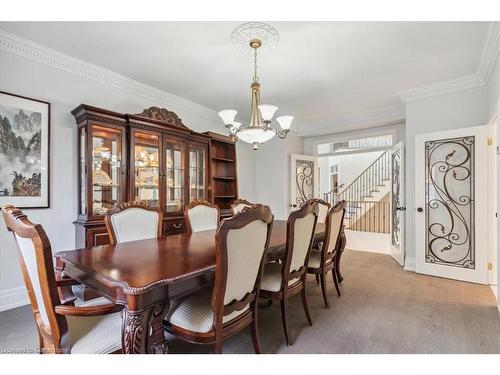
[{"x": 152, "y": 157}]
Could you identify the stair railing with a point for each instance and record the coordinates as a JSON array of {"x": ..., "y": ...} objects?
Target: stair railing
[{"x": 366, "y": 183}]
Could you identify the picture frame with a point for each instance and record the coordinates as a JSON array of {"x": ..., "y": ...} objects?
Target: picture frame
[{"x": 24, "y": 151}]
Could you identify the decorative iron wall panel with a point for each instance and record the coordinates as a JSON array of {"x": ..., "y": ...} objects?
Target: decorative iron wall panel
[
  {"x": 396, "y": 199},
  {"x": 304, "y": 177},
  {"x": 449, "y": 200}
]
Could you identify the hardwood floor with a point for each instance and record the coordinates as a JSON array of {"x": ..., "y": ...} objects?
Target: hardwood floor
[{"x": 383, "y": 309}]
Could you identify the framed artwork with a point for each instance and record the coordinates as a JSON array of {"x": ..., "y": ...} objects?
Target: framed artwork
[{"x": 24, "y": 151}]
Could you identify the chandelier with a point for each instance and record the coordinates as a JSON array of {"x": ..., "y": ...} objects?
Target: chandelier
[{"x": 256, "y": 35}]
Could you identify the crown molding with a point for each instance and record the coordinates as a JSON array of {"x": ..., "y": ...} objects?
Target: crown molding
[
  {"x": 444, "y": 87},
  {"x": 357, "y": 121},
  {"x": 34, "y": 51},
  {"x": 490, "y": 52}
]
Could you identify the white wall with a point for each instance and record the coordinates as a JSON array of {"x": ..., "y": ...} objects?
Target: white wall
[
  {"x": 448, "y": 111},
  {"x": 272, "y": 173},
  {"x": 65, "y": 90}
]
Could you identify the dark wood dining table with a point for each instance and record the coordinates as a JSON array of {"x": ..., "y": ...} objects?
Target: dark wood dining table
[{"x": 145, "y": 275}]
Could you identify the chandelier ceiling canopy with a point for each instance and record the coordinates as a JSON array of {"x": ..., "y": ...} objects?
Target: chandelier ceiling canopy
[{"x": 253, "y": 36}]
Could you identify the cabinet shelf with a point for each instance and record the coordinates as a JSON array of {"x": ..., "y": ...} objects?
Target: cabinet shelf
[
  {"x": 223, "y": 178},
  {"x": 223, "y": 159}
]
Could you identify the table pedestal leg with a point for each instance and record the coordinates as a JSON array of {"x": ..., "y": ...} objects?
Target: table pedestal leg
[{"x": 142, "y": 331}]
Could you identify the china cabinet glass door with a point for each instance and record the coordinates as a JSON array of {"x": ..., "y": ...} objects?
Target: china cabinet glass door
[
  {"x": 197, "y": 172},
  {"x": 107, "y": 178},
  {"x": 146, "y": 168},
  {"x": 174, "y": 176}
]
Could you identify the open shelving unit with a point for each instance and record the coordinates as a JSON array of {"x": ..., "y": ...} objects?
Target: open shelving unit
[{"x": 224, "y": 185}]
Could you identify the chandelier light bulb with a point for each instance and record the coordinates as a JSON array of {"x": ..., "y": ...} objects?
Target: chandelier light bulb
[
  {"x": 228, "y": 116},
  {"x": 267, "y": 111},
  {"x": 285, "y": 122}
]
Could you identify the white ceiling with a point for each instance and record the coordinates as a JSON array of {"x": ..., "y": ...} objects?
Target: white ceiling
[{"x": 319, "y": 71}]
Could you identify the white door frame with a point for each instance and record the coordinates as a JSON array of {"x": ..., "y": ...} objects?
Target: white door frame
[
  {"x": 493, "y": 200},
  {"x": 480, "y": 274}
]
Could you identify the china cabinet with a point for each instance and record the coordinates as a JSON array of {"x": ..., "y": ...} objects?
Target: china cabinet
[{"x": 151, "y": 157}]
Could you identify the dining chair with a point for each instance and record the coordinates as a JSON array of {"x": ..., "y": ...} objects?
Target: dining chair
[
  {"x": 282, "y": 281},
  {"x": 324, "y": 260},
  {"x": 133, "y": 221},
  {"x": 62, "y": 327},
  {"x": 323, "y": 208},
  {"x": 212, "y": 315},
  {"x": 239, "y": 204},
  {"x": 201, "y": 215}
]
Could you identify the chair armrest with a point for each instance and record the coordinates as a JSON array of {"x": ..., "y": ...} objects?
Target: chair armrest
[{"x": 88, "y": 310}]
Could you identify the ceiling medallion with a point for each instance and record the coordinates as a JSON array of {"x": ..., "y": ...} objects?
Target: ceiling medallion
[{"x": 255, "y": 36}]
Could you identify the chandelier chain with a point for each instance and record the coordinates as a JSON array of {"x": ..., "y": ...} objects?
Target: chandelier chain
[{"x": 255, "y": 76}]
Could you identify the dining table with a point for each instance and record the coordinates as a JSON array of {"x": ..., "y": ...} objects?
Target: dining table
[{"x": 146, "y": 275}]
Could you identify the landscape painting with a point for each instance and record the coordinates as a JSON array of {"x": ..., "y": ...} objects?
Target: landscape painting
[{"x": 24, "y": 151}]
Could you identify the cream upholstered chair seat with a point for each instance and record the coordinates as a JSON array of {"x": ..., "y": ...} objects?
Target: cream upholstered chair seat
[
  {"x": 135, "y": 224},
  {"x": 271, "y": 278},
  {"x": 195, "y": 312},
  {"x": 95, "y": 334},
  {"x": 315, "y": 259},
  {"x": 202, "y": 217},
  {"x": 322, "y": 212}
]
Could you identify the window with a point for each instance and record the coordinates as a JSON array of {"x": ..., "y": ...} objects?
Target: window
[{"x": 355, "y": 144}]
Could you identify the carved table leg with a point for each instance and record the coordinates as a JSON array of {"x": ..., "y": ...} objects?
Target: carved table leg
[
  {"x": 142, "y": 331},
  {"x": 157, "y": 339},
  {"x": 342, "y": 242}
]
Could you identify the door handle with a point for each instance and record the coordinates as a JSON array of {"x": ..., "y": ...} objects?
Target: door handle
[{"x": 420, "y": 209}]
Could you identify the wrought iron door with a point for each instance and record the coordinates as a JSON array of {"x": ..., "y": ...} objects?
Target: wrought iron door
[
  {"x": 451, "y": 204},
  {"x": 397, "y": 203},
  {"x": 304, "y": 179}
]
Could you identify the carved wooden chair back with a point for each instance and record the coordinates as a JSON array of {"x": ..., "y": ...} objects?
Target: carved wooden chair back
[
  {"x": 35, "y": 257},
  {"x": 299, "y": 239},
  {"x": 241, "y": 245},
  {"x": 323, "y": 208},
  {"x": 201, "y": 215},
  {"x": 333, "y": 227},
  {"x": 133, "y": 221},
  {"x": 240, "y": 204}
]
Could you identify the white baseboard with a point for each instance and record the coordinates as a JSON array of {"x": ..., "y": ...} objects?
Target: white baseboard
[
  {"x": 12, "y": 298},
  {"x": 409, "y": 264}
]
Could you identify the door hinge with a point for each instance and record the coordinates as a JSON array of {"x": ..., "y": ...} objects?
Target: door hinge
[
  {"x": 490, "y": 266},
  {"x": 490, "y": 141}
]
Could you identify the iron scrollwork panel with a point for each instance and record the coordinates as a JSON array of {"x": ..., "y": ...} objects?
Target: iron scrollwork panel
[
  {"x": 396, "y": 199},
  {"x": 449, "y": 200},
  {"x": 304, "y": 179}
]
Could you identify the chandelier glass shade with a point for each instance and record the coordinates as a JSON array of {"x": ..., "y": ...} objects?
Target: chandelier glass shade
[{"x": 259, "y": 130}]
